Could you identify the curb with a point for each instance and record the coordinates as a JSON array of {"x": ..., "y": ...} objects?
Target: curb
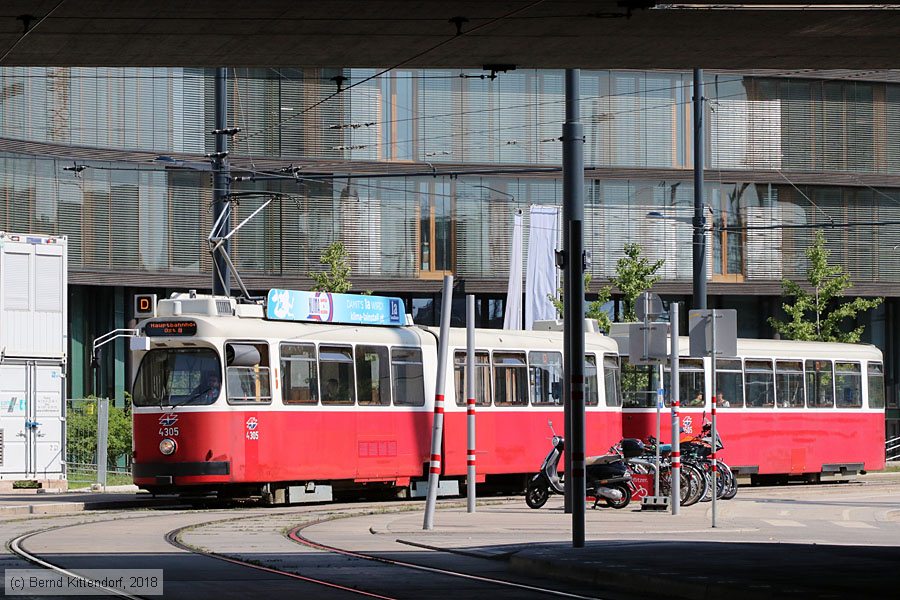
[{"x": 52, "y": 508}]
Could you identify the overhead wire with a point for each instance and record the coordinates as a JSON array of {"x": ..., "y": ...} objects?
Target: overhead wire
[
  {"x": 404, "y": 62},
  {"x": 28, "y": 30}
]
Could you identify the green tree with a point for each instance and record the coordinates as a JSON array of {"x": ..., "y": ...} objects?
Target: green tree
[
  {"x": 337, "y": 278},
  {"x": 635, "y": 275},
  {"x": 818, "y": 315},
  {"x": 593, "y": 310},
  {"x": 81, "y": 432}
]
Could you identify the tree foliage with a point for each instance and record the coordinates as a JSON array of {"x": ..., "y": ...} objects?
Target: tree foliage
[
  {"x": 81, "y": 432},
  {"x": 634, "y": 276},
  {"x": 337, "y": 278},
  {"x": 592, "y": 310},
  {"x": 818, "y": 315}
]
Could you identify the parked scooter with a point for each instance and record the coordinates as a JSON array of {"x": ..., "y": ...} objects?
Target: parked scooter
[{"x": 607, "y": 478}]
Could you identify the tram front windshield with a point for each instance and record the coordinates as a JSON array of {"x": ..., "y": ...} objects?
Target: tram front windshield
[{"x": 178, "y": 377}]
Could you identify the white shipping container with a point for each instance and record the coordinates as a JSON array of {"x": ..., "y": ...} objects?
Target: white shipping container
[
  {"x": 32, "y": 421},
  {"x": 33, "y": 298}
]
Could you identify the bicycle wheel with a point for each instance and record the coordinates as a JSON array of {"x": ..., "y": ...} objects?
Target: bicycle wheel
[
  {"x": 693, "y": 478},
  {"x": 731, "y": 482},
  {"x": 665, "y": 485}
]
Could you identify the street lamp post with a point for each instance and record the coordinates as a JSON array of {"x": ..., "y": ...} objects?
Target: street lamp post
[{"x": 699, "y": 237}]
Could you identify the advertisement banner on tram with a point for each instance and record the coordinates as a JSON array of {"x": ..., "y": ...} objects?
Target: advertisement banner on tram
[{"x": 325, "y": 307}]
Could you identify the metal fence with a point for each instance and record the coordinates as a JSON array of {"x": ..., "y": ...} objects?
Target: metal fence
[
  {"x": 94, "y": 429},
  {"x": 892, "y": 449}
]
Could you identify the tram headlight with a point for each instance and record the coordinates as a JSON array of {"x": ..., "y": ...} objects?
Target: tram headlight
[{"x": 168, "y": 446}]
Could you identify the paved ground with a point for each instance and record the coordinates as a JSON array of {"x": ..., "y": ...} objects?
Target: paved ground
[{"x": 827, "y": 541}]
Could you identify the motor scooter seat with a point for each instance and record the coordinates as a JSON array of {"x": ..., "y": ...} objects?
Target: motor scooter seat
[{"x": 602, "y": 460}]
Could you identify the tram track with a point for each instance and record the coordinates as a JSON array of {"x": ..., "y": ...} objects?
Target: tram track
[
  {"x": 19, "y": 546},
  {"x": 295, "y": 536}
]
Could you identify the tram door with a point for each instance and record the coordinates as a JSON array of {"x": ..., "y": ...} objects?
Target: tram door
[{"x": 31, "y": 420}]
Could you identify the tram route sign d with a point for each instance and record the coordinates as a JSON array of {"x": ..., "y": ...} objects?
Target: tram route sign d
[{"x": 700, "y": 328}]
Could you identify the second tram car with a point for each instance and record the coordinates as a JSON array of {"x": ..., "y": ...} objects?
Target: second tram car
[
  {"x": 228, "y": 402},
  {"x": 784, "y": 408}
]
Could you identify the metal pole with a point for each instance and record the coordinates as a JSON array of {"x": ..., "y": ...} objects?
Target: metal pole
[
  {"x": 470, "y": 403},
  {"x": 102, "y": 437},
  {"x": 715, "y": 479},
  {"x": 660, "y": 398},
  {"x": 437, "y": 431},
  {"x": 699, "y": 245},
  {"x": 221, "y": 278},
  {"x": 676, "y": 423},
  {"x": 573, "y": 198}
]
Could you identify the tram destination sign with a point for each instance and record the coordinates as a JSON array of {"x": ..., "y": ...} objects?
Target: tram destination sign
[
  {"x": 175, "y": 328},
  {"x": 325, "y": 307}
]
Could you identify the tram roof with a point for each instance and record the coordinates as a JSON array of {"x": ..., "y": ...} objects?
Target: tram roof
[{"x": 749, "y": 347}]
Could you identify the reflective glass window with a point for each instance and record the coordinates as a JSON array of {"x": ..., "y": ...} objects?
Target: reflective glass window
[
  {"x": 848, "y": 384},
  {"x": 611, "y": 380},
  {"x": 299, "y": 374},
  {"x": 373, "y": 376},
  {"x": 482, "y": 378},
  {"x": 546, "y": 378},
  {"x": 510, "y": 379},
  {"x": 876, "y": 384},
  {"x": 336, "y": 372},
  {"x": 409, "y": 376},
  {"x": 819, "y": 384},
  {"x": 247, "y": 373},
  {"x": 760, "y": 381},
  {"x": 729, "y": 384},
  {"x": 789, "y": 383}
]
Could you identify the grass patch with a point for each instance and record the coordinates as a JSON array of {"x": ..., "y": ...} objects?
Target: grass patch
[{"x": 79, "y": 478}]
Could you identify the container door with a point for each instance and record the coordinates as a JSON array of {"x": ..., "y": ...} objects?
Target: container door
[
  {"x": 32, "y": 296},
  {"x": 48, "y": 421},
  {"x": 14, "y": 434}
]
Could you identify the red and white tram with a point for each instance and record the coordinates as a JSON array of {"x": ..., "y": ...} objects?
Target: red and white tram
[
  {"x": 308, "y": 407},
  {"x": 784, "y": 408}
]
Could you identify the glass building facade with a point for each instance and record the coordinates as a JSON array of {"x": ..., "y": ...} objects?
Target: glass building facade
[{"x": 421, "y": 172}]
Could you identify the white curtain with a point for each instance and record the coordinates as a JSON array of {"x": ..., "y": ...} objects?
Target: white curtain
[
  {"x": 512, "y": 318},
  {"x": 543, "y": 235}
]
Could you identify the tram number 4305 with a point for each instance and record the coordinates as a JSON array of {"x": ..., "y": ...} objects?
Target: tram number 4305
[
  {"x": 252, "y": 431},
  {"x": 168, "y": 431}
]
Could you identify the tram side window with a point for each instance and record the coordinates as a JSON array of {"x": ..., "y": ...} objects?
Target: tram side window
[
  {"x": 760, "y": 381},
  {"x": 546, "y": 378},
  {"x": 789, "y": 383},
  {"x": 819, "y": 384},
  {"x": 247, "y": 375},
  {"x": 611, "y": 380},
  {"x": 482, "y": 378},
  {"x": 510, "y": 379},
  {"x": 336, "y": 372},
  {"x": 876, "y": 385},
  {"x": 373, "y": 376},
  {"x": 729, "y": 383},
  {"x": 639, "y": 385},
  {"x": 299, "y": 381},
  {"x": 591, "y": 390},
  {"x": 409, "y": 376},
  {"x": 848, "y": 385},
  {"x": 691, "y": 383}
]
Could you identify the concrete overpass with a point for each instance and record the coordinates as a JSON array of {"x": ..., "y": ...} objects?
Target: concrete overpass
[{"x": 633, "y": 34}]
